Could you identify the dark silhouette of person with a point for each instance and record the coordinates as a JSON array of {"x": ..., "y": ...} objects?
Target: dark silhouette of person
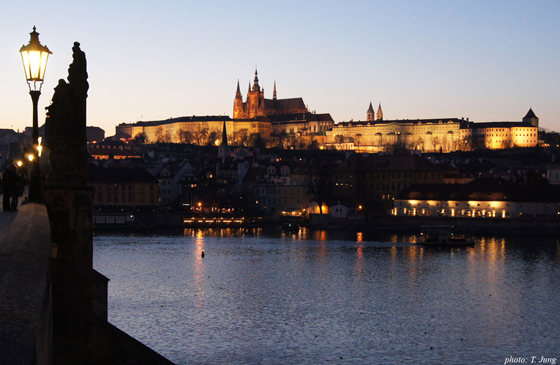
[
  {"x": 202, "y": 254},
  {"x": 11, "y": 188}
]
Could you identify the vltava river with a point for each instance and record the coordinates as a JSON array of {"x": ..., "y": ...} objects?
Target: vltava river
[{"x": 324, "y": 298}]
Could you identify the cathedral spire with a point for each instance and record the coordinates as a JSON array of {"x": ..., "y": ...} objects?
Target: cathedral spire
[
  {"x": 379, "y": 113},
  {"x": 370, "y": 113},
  {"x": 256, "y": 86},
  {"x": 238, "y": 104},
  {"x": 274, "y": 92}
]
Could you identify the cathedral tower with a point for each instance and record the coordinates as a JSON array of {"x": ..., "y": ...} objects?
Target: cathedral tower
[
  {"x": 379, "y": 113},
  {"x": 370, "y": 113},
  {"x": 254, "y": 99},
  {"x": 257, "y": 106}
]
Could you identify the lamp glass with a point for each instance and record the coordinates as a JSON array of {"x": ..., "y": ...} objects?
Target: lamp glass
[
  {"x": 35, "y": 64},
  {"x": 34, "y": 57}
]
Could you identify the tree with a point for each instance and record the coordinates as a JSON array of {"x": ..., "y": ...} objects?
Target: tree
[
  {"x": 159, "y": 134},
  {"x": 318, "y": 173},
  {"x": 212, "y": 138},
  {"x": 140, "y": 138},
  {"x": 166, "y": 136},
  {"x": 183, "y": 136},
  {"x": 420, "y": 144},
  {"x": 278, "y": 139},
  {"x": 549, "y": 137},
  {"x": 358, "y": 139},
  {"x": 339, "y": 138},
  {"x": 242, "y": 136},
  {"x": 291, "y": 141},
  {"x": 435, "y": 142},
  {"x": 255, "y": 140},
  {"x": 314, "y": 145},
  {"x": 200, "y": 133}
]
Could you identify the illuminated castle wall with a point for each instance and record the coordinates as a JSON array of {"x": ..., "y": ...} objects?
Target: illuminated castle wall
[{"x": 432, "y": 135}]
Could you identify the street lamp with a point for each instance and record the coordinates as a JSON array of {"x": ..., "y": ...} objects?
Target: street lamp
[{"x": 34, "y": 57}]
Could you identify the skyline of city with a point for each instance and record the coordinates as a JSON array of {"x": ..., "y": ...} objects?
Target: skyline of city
[{"x": 486, "y": 62}]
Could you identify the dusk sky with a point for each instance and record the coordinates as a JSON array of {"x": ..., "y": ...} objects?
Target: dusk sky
[{"x": 483, "y": 60}]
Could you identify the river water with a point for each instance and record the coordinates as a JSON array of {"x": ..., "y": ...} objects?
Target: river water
[{"x": 316, "y": 297}]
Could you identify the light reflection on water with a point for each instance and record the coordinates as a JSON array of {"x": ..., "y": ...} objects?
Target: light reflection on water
[{"x": 332, "y": 297}]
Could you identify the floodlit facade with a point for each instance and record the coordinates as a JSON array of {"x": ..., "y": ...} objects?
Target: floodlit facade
[
  {"x": 287, "y": 119},
  {"x": 195, "y": 129},
  {"x": 483, "y": 198},
  {"x": 475, "y": 208},
  {"x": 432, "y": 135}
]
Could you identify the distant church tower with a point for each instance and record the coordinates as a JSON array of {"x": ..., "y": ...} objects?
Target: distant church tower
[
  {"x": 379, "y": 113},
  {"x": 370, "y": 113},
  {"x": 531, "y": 118},
  {"x": 224, "y": 150},
  {"x": 224, "y": 135}
]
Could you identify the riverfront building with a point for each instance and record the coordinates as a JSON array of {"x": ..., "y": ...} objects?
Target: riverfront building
[
  {"x": 123, "y": 188},
  {"x": 374, "y": 181},
  {"x": 489, "y": 198},
  {"x": 117, "y": 150}
]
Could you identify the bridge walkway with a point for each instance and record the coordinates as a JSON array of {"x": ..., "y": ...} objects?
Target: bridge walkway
[{"x": 7, "y": 218}]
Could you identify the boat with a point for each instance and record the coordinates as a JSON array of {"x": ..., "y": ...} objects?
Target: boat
[
  {"x": 290, "y": 226},
  {"x": 444, "y": 235}
]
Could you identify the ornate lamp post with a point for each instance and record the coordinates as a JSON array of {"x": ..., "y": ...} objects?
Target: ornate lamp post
[{"x": 34, "y": 57}]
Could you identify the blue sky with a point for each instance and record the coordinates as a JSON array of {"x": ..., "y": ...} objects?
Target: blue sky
[{"x": 483, "y": 60}]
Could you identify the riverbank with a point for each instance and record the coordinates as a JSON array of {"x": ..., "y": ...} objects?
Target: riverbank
[
  {"x": 413, "y": 224},
  {"x": 374, "y": 223}
]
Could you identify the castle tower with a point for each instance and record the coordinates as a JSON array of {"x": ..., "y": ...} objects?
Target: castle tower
[
  {"x": 254, "y": 99},
  {"x": 370, "y": 113},
  {"x": 531, "y": 118},
  {"x": 274, "y": 92},
  {"x": 238, "y": 111},
  {"x": 379, "y": 113},
  {"x": 256, "y": 86}
]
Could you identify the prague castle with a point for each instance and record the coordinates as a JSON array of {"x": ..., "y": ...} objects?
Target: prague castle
[
  {"x": 431, "y": 135},
  {"x": 268, "y": 118},
  {"x": 288, "y": 123}
]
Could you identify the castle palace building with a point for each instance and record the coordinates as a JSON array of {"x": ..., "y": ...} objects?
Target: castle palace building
[
  {"x": 431, "y": 135},
  {"x": 196, "y": 129},
  {"x": 288, "y": 121}
]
